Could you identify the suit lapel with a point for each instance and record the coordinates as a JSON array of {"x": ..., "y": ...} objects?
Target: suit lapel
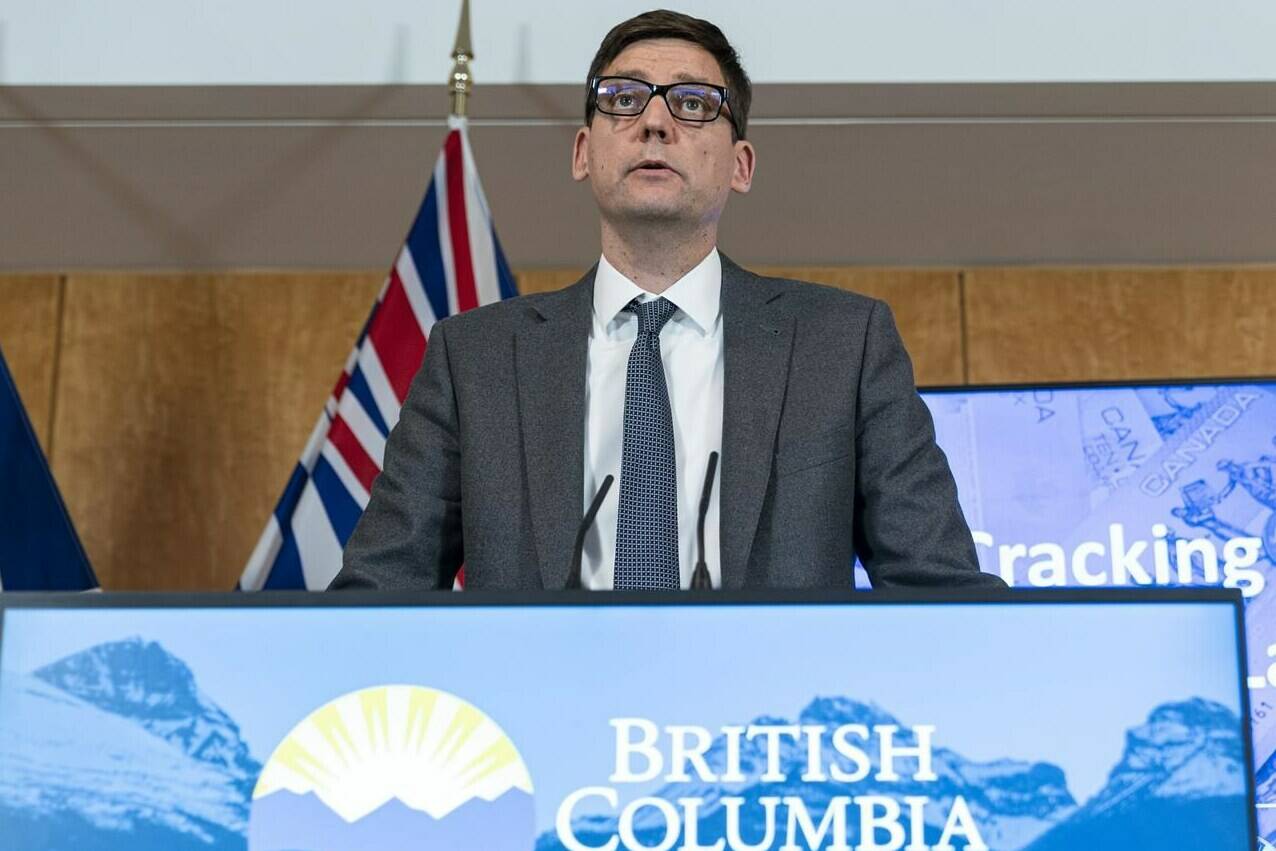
[
  {"x": 549, "y": 357},
  {"x": 757, "y": 341}
]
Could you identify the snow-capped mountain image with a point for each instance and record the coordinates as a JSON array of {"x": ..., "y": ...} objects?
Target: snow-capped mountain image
[
  {"x": 1182, "y": 773},
  {"x": 141, "y": 681},
  {"x": 1265, "y": 793},
  {"x": 115, "y": 748}
]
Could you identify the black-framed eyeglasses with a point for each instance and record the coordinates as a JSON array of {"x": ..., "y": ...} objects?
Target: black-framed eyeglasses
[{"x": 690, "y": 101}]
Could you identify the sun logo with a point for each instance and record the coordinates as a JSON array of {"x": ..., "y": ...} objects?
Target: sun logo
[{"x": 393, "y": 767}]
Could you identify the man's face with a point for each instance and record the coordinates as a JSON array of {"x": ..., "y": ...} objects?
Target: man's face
[{"x": 653, "y": 167}]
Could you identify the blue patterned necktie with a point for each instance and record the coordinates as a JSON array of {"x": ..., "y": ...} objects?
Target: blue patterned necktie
[{"x": 647, "y": 522}]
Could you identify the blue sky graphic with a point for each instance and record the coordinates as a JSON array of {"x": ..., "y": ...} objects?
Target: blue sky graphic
[{"x": 1020, "y": 682}]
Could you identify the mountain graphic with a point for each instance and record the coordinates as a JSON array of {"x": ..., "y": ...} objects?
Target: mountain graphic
[
  {"x": 1180, "y": 784},
  {"x": 143, "y": 682},
  {"x": 284, "y": 821},
  {"x": 1013, "y": 802},
  {"x": 118, "y": 749},
  {"x": 1265, "y": 789}
]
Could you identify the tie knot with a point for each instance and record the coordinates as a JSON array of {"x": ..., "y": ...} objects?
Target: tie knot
[{"x": 652, "y": 315}]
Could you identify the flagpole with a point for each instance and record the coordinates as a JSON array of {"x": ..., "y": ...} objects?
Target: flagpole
[{"x": 461, "y": 82}]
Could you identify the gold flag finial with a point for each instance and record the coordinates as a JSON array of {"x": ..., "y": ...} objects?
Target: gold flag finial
[{"x": 462, "y": 82}]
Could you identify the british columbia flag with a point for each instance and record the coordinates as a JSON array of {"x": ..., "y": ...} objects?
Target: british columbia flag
[{"x": 451, "y": 261}]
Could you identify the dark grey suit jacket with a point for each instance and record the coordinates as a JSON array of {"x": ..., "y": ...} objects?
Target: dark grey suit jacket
[{"x": 827, "y": 450}]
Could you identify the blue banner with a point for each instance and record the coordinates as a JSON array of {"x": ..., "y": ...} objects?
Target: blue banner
[{"x": 39, "y": 550}]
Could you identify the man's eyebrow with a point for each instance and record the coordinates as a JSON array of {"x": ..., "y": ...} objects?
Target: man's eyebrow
[
  {"x": 692, "y": 78},
  {"x": 680, "y": 77}
]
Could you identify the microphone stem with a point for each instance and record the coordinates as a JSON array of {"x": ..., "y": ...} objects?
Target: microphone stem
[
  {"x": 578, "y": 552},
  {"x": 700, "y": 579}
]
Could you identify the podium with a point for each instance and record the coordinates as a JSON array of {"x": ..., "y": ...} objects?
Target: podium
[{"x": 1013, "y": 721}]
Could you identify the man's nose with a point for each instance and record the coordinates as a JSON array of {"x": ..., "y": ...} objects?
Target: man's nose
[{"x": 656, "y": 119}]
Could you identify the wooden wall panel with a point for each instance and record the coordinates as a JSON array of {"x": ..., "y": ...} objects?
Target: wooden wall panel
[
  {"x": 926, "y": 303},
  {"x": 183, "y": 404},
  {"x": 29, "y": 339},
  {"x": 1033, "y": 325},
  {"x": 182, "y": 401},
  {"x": 545, "y": 280}
]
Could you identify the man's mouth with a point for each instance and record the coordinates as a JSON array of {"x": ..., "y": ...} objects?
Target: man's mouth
[{"x": 654, "y": 166}]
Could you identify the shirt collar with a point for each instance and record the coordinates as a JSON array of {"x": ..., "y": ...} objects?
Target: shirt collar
[{"x": 698, "y": 294}]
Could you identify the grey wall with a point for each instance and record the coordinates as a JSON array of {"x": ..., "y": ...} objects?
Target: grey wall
[{"x": 916, "y": 174}]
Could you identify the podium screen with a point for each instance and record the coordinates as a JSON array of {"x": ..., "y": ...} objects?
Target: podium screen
[{"x": 1026, "y": 723}]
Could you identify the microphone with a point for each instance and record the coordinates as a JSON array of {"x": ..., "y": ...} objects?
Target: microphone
[
  {"x": 578, "y": 553},
  {"x": 700, "y": 580}
]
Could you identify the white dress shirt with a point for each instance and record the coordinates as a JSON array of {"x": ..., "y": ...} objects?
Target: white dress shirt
[{"x": 691, "y": 349}]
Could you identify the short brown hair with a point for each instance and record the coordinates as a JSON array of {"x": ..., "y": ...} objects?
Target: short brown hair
[{"x": 662, "y": 23}]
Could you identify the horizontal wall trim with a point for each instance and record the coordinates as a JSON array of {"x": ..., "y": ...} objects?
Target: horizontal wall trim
[
  {"x": 795, "y": 121},
  {"x": 565, "y": 102}
]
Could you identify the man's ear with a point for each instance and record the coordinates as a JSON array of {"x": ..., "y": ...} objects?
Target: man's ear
[
  {"x": 580, "y": 155},
  {"x": 746, "y": 159}
]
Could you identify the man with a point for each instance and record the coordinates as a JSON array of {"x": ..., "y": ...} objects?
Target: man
[{"x": 664, "y": 353}]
